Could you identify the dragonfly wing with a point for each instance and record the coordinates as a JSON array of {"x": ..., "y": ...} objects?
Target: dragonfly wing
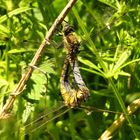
[{"x": 48, "y": 116}]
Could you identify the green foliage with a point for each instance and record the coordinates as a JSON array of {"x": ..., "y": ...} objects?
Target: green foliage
[{"x": 109, "y": 62}]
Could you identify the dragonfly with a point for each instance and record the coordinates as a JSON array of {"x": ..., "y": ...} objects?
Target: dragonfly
[{"x": 72, "y": 96}]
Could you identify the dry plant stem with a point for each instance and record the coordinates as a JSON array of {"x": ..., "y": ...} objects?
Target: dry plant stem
[
  {"x": 108, "y": 134},
  {"x": 4, "y": 113}
]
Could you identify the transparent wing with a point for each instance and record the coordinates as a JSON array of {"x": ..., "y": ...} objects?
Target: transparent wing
[{"x": 46, "y": 117}]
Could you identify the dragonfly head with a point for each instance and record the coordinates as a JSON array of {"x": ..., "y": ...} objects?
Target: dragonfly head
[{"x": 67, "y": 29}]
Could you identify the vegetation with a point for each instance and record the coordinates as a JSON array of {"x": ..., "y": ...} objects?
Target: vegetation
[{"x": 109, "y": 62}]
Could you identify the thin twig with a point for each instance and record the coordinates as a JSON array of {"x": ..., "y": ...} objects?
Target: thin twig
[
  {"x": 109, "y": 132},
  {"x": 4, "y": 113}
]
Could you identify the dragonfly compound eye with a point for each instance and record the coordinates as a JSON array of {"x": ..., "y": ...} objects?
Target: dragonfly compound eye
[{"x": 67, "y": 29}]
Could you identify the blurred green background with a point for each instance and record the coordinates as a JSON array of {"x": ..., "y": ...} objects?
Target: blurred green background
[{"x": 109, "y": 62}]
